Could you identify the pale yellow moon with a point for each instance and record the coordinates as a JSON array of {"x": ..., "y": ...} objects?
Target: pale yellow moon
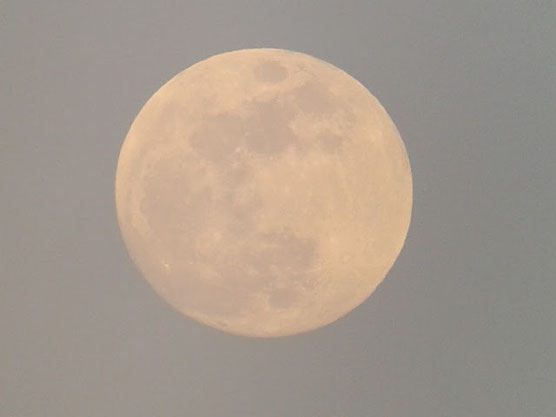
[{"x": 263, "y": 192}]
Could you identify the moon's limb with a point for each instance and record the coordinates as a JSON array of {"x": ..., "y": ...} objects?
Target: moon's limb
[{"x": 263, "y": 192}]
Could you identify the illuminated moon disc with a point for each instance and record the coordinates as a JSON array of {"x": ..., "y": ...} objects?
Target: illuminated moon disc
[{"x": 263, "y": 192}]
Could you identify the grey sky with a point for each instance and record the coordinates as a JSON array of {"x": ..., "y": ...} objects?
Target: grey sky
[{"x": 462, "y": 326}]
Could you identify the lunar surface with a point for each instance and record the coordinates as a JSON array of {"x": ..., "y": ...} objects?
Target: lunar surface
[{"x": 263, "y": 192}]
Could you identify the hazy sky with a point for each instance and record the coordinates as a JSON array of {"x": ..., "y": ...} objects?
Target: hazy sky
[{"x": 464, "y": 324}]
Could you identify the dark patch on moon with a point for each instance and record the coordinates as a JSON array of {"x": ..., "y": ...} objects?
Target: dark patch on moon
[
  {"x": 218, "y": 136},
  {"x": 270, "y": 71},
  {"x": 171, "y": 216},
  {"x": 240, "y": 212},
  {"x": 285, "y": 251},
  {"x": 234, "y": 174},
  {"x": 222, "y": 297},
  {"x": 281, "y": 261},
  {"x": 329, "y": 141},
  {"x": 314, "y": 97},
  {"x": 282, "y": 297},
  {"x": 267, "y": 130}
]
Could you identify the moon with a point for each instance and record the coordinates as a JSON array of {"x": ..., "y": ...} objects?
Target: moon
[{"x": 263, "y": 192}]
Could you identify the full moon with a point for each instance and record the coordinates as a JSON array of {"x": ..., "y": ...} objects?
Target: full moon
[{"x": 263, "y": 192}]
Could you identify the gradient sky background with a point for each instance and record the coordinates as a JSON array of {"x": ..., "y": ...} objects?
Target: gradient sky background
[{"x": 464, "y": 324}]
